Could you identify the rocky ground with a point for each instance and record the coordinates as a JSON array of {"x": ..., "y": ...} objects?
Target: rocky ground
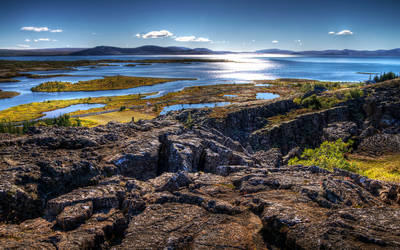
[{"x": 219, "y": 184}]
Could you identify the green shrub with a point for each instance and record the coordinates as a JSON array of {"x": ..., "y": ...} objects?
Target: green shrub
[
  {"x": 312, "y": 102},
  {"x": 329, "y": 155},
  {"x": 328, "y": 101},
  {"x": 354, "y": 93},
  {"x": 122, "y": 108},
  {"x": 320, "y": 86}
]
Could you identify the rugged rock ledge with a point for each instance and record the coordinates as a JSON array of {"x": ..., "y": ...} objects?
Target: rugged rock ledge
[{"x": 221, "y": 184}]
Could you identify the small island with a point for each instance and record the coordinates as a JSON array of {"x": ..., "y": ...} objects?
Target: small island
[
  {"x": 107, "y": 83},
  {"x": 7, "y": 94}
]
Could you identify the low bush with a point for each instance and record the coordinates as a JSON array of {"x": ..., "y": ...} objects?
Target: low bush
[
  {"x": 329, "y": 155},
  {"x": 315, "y": 102}
]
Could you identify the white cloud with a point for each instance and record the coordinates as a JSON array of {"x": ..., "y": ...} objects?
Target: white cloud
[
  {"x": 222, "y": 41},
  {"x": 191, "y": 39},
  {"x": 275, "y": 41},
  {"x": 342, "y": 33},
  {"x": 24, "y": 46},
  {"x": 166, "y": 33},
  {"x": 298, "y": 42},
  {"x": 42, "y": 40},
  {"x": 36, "y": 29},
  {"x": 41, "y": 29},
  {"x": 27, "y": 40},
  {"x": 155, "y": 34}
]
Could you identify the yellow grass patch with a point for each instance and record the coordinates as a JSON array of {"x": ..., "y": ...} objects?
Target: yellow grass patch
[
  {"x": 118, "y": 116},
  {"x": 386, "y": 168}
]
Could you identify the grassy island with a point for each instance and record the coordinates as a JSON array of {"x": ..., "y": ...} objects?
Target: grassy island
[
  {"x": 7, "y": 94},
  {"x": 107, "y": 83}
]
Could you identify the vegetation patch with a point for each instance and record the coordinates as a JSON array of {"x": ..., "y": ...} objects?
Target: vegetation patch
[
  {"x": 107, "y": 83},
  {"x": 8, "y": 80},
  {"x": 118, "y": 116},
  {"x": 336, "y": 154},
  {"x": 385, "y": 167},
  {"x": 7, "y": 94},
  {"x": 330, "y": 99},
  {"x": 329, "y": 155},
  {"x": 62, "y": 121}
]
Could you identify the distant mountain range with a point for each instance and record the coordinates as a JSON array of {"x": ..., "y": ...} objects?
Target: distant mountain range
[
  {"x": 344, "y": 52},
  {"x": 143, "y": 50},
  {"x": 157, "y": 50},
  {"x": 39, "y": 52}
]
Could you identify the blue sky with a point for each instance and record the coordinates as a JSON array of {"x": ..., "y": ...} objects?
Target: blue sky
[{"x": 216, "y": 24}]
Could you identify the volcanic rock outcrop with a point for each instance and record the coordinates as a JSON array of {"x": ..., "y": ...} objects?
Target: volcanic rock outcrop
[{"x": 221, "y": 184}]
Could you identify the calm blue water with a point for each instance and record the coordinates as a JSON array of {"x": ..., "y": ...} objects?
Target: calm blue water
[
  {"x": 266, "y": 96},
  {"x": 192, "y": 106},
  {"x": 72, "y": 108},
  {"x": 246, "y": 67}
]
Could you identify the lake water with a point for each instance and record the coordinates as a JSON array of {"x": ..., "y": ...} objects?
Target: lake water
[
  {"x": 266, "y": 96},
  {"x": 246, "y": 67},
  {"x": 69, "y": 109},
  {"x": 192, "y": 106},
  {"x": 230, "y": 96}
]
